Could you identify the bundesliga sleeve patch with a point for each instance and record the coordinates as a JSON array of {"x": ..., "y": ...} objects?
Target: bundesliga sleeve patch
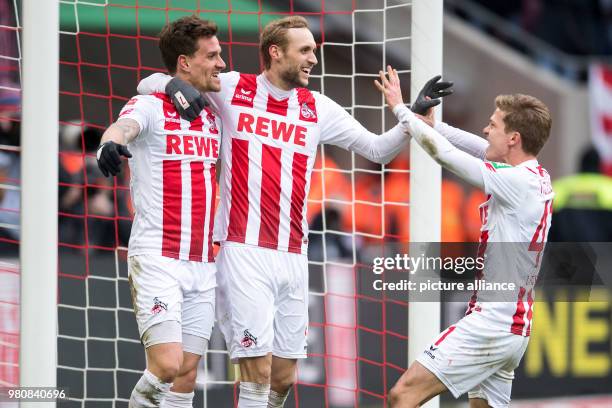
[{"x": 493, "y": 166}]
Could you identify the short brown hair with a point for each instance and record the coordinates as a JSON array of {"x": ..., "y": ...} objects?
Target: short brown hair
[
  {"x": 275, "y": 33},
  {"x": 528, "y": 116},
  {"x": 181, "y": 36}
]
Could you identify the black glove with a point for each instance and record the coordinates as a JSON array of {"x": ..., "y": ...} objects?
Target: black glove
[
  {"x": 188, "y": 101},
  {"x": 109, "y": 157},
  {"x": 433, "y": 89}
]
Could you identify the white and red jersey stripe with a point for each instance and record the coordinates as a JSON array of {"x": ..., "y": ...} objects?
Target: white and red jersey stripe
[
  {"x": 515, "y": 223},
  {"x": 172, "y": 184},
  {"x": 269, "y": 143},
  {"x": 270, "y": 138}
]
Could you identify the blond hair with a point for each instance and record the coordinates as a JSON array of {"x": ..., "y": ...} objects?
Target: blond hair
[
  {"x": 275, "y": 33},
  {"x": 528, "y": 116}
]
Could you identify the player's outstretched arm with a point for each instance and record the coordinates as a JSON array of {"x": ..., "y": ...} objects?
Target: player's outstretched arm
[
  {"x": 468, "y": 142},
  {"x": 430, "y": 95},
  {"x": 341, "y": 129},
  {"x": 153, "y": 83},
  {"x": 441, "y": 150},
  {"x": 188, "y": 101},
  {"x": 113, "y": 145}
]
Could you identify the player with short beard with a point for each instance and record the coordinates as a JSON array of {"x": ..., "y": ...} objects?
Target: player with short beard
[
  {"x": 170, "y": 255},
  {"x": 272, "y": 126}
]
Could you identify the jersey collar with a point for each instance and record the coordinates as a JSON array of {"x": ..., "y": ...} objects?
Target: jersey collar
[
  {"x": 529, "y": 163},
  {"x": 277, "y": 93}
]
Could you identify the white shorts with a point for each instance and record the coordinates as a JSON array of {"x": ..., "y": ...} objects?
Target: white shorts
[
  {"x": 166, "y": 289},
  {"x": 262, "y": 301},
  {"x": 466, "y": 357}
]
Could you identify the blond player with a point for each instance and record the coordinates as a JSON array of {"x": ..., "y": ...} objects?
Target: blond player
[
  {"x": 272, "y": 125},
  {"x": 170, "y": 254},
  {"x": 479, "y": 353}
]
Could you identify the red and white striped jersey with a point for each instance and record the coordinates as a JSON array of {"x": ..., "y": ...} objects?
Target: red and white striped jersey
[
  {"x": 270, "y": 140},
  {"x": 172, "y": 180},
  {"x": 515, "y": 223}
]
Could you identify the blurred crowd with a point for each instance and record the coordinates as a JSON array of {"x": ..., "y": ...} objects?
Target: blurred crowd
[
  {"x": 579, "y": 28},
  {"x": 94, "y": 213}
]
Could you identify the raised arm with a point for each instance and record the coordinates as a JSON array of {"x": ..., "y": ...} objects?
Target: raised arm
[
  {"x": 468, "y": 142},
  {"x": 341, "y": 129},
  {"x": 428, "y": 97},
  {"x": 441, "y": 150}
]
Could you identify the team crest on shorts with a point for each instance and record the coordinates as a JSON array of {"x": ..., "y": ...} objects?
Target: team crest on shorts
[
  {"x": 158, "y": 306},
  {"x": 248, "y": 340},
  {"x": 430, "y": 352}
]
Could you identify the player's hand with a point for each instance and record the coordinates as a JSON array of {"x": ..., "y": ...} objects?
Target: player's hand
[
  {"x": 430, "y": 95},
  {"x": 390, "y": 87},
  {"x": 188, "y": 101},
  {"x": 429, "y": 118},
  {"x": 109, "y": 157}
]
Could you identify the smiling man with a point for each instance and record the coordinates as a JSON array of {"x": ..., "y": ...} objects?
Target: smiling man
[
  {"x": 170, "y": 255},
  {"x": 478, "y": 354},
  {"x": 272, "y": 125}
]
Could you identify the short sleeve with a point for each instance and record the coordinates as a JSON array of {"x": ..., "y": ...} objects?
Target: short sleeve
[
  {"x": 140, "y": 108},
  {"x": 504, "y": 182}
]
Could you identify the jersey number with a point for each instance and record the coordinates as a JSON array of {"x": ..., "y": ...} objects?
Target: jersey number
[{"x": 539, "y": 238}]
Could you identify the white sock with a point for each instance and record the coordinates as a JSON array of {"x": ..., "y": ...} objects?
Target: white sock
[
  {"x": 276, "y": 399},
  {"x": 253, "y": 395},
  {"x": 148, "y": 392},
  {"x": 178, "y": 400}
]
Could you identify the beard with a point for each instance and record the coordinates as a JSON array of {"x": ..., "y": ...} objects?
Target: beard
[{"x": 292, "y": 77}]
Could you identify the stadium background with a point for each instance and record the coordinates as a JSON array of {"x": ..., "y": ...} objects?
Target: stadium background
[{"x": 357, "y": 336}]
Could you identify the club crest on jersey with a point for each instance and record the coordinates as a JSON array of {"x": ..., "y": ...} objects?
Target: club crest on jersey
[
  {"x": 248, "y": 340},
  {"x": 158, "y": 306},
  {"x": 307, "y": 113},
  {"x": 308, "y": 109},
  {"x": 210, "y": 116}
]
